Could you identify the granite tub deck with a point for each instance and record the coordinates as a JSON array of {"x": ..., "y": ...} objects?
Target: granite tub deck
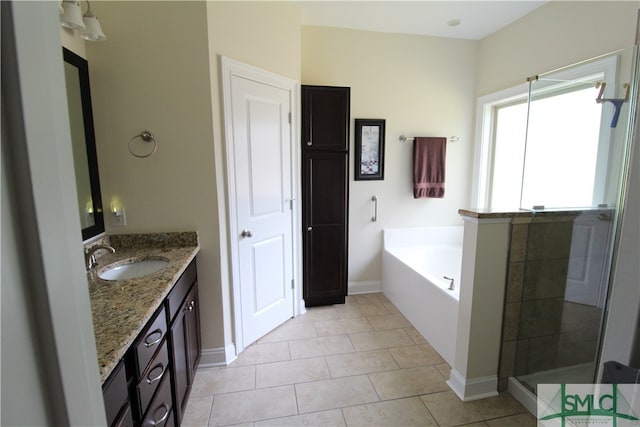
[{"x": 121, "y": 308}]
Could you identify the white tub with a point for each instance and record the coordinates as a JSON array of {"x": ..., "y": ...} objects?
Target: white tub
[{"x": 414, "y": 264}]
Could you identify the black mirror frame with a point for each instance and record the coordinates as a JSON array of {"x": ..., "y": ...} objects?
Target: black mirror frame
[{"x": 89, "y": 133}]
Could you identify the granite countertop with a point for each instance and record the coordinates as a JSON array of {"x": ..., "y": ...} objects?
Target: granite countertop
[
  {"x": 524, "y": 213},
  {"x": 121, "y": 308}
]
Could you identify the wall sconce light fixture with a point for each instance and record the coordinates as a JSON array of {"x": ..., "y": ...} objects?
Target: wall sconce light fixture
[
  {"x": 117, "y": 213},
  {"x": 88, "y": 25}
]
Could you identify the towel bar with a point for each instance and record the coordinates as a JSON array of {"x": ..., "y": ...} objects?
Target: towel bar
[{"x": 403, "y": 138}]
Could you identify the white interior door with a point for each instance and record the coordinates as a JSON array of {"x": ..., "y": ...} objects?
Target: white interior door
[{"x": 260, "y": 157}]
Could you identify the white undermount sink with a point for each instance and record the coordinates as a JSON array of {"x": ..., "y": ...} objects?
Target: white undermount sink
[{"x": 132, "y": 269}]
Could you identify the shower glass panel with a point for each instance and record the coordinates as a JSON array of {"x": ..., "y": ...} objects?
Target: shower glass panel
[{"x": 576, "y": 155}]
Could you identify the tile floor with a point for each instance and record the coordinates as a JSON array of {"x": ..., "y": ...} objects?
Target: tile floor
[{"x": 357, "y": 364}]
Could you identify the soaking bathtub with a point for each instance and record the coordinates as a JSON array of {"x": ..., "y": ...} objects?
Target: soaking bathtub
[{"x": 415, "y": 262}]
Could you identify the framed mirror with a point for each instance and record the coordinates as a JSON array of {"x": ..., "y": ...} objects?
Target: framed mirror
[{"x": 85, "y": 159}]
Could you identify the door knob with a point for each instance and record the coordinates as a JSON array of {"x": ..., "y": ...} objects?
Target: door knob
[
  {"x": 246, "y": 233},
  {"x": 309, "y": 228}
]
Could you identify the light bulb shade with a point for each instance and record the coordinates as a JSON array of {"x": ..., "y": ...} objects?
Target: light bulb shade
[
  {"x": 72, "y": 16},
  {"x": 93, "y": 31}
]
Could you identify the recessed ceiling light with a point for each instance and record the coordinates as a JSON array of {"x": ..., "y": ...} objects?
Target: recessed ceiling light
[{"x": 454, "y": 22}]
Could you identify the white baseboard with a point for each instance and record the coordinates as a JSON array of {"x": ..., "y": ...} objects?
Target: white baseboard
[
  {"x": 523, "y": 395},
  {"x": 364, "y": 287},
  {"x": 220, "y": 356},
  {"x": 473, "y": 389}
]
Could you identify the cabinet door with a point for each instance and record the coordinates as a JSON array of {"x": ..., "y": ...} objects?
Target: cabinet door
[
  {"x": 194, "y": 345},
  {"x": 185, "y": 342},
  {"x": 325, "y": 227},
  {"x": 116, "y": 395},
  {"x": 325, "y": 118}
]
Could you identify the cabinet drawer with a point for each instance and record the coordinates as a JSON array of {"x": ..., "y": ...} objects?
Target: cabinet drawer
[
  {"x": 115, "y": 394},
  {"x": 180, "y": 290},
  {"x": 150, "y": 341},
  {"x": 159, "y": 412},
  {"x": 152, "y": 377}
]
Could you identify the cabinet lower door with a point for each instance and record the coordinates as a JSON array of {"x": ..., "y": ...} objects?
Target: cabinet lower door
[
  {"x": 185, "y": 341},
  {"x": 325, "y": 227},
  {"x": 194, "y": 345},
  {"x": 180, "y": 365}
]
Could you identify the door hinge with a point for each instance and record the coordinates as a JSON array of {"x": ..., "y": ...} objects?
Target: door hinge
[
  {"x": 293, "y": 283},
  {"x": 289, "y": 117}
]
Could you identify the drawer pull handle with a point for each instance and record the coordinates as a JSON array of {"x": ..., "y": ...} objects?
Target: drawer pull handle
[
  {"x": 148, "y": 343},
  {"x": 157, "y": 378},
  {"x": 164, "y": 417}
]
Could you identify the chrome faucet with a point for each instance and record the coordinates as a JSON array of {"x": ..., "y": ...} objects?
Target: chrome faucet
[
  {"x": 451, "y": 280},
  {"x": 90, "y": 255}
]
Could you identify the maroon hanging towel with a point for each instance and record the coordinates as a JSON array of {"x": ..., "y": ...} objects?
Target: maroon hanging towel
[{"x": 429, "y": 158}]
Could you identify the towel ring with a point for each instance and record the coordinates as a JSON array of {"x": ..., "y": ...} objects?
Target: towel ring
[{"x": 145, "y": 136}]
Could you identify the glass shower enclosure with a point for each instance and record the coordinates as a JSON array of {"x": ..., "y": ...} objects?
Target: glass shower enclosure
[{"x": 579, "y": 128}]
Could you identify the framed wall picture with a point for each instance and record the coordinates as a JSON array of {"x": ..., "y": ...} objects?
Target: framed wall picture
[{"x": 369, "y": 149}]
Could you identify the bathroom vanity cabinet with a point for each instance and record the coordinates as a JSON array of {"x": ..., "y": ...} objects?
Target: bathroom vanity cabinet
[{"x": 151, "y": 384}]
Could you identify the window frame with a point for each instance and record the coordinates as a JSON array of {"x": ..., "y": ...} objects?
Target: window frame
[{"x": 487, "y": 105}]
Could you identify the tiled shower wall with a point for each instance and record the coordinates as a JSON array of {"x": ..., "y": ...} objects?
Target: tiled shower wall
[{"x": 542, "y": 331}]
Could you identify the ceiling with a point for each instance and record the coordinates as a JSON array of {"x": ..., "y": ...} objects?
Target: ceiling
[{"x": 477, "y": 18}]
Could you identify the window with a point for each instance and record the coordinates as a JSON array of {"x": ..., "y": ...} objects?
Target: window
[{"x": 548, "y": 149}]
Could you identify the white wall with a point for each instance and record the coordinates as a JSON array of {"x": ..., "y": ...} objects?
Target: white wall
[
  {"x": 159, "y": 70},
  {"x": 558, "y": 34},
  {"x": 49, "y": 372},
  {"x": 265, "y": 35},
  {"x": 153, "y": 73},
  {"x": 421, "y": 86}
]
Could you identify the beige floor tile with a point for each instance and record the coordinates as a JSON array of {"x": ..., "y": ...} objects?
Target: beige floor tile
[
  {"x": 253, "y": 405},
  {"x": 360, "y": 310},
  {"x": 376, "y": 297},
  {"x": 331, "y": 418},
  {"x": 365, "y": 362},
  {"x": 520, "y": 420},
  {"x": 448, "y": 410},
  {"x": 400, "y": 412},
  {"x": 322, "y": 346},
  {"x": 415, "y": 335},
  {"x": 390, "y": 307},
  {"x": 494, "y": 407},
  {"x": 292, "y": 330},
  {"x": 291, "y": 372},
  {"x": 263, "y": 353},
  {"x": 416, "y": 355},
  {"x": 197, "y": 411},
  {"x": 444, "y": 369},
  {"x": 336, "y": 393},
  {"x": 407, "y": 382},
  {"x": 380, "y": 339},
  {"x": 342, "y": 326},
  {"x": 226, "y": 380},
  {"x": 322, "y": 313},
  {"x": 517, "y": 405},
  {"x": 478, "y": 424},
  {"x": 388, "y": 321}
]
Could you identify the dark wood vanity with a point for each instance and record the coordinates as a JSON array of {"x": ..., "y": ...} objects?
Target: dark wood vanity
[{"x": 151, "y": 384}]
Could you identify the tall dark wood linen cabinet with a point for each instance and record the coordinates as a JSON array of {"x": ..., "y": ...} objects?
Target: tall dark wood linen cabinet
[{"x": 325, "y": 193}]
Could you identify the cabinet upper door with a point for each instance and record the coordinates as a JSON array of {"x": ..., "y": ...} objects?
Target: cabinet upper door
[{"x": 325, "y": 123}]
